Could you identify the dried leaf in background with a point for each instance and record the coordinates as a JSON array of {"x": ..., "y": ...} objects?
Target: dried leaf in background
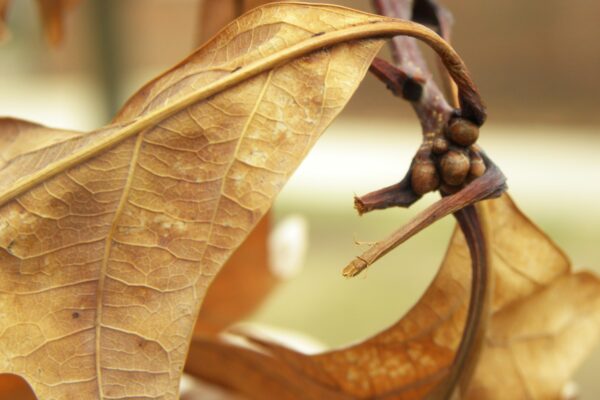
[
  {"x": 4, "y": 32},
  {"x": 538, "y": 342},
  {"x": 109, "y": 240},
  {"x": 538, "y": 332},
  {"x": 405, "y": 361},
  {"x": 13, "y": 387},
  {"x": 546, "y": 317},
  {"x": 18, "y": 137},
  {"x": 53, "y": 14}
]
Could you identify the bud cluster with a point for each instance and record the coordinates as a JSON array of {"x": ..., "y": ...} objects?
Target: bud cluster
[{"x": 447, "y": 161}]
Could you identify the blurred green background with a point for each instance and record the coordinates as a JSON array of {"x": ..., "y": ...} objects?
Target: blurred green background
[{"x": 536, "y": 63}]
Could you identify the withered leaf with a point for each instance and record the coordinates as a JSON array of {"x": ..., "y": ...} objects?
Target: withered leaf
[
  {"x": 524, "y": 258},
  {"x": 109, "y": 240},
  {"x": 18, "y": 137},
  {"x": 214, "y": 14},
  {"x": 247, "y": 272},
  {"x": 219, "y": 308},
  {"x": 407, "y": 360},
  {"x": 3, "y": 11},
  {"x": 241, "y": 285},
  {"x": 52, "y": 13},
  {"x": 545, "y": 320},
  {"x": 539, "y": 341}
]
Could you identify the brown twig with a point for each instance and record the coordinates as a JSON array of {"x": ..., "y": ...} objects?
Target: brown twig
[
  {"x": 490, "y": 185},
  {"x": 398, "y": 195},
  {"x": 448, "y": 144},
  {"x": 402, "y": 85},
  {"x": 411, "y": 80},
  {"x": 436, "y": 161},
  {"x": 432, "y": 109},
  {"x": 439, "y": 18}
]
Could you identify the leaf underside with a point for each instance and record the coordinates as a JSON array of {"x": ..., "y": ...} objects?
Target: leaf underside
[{"x": 104, "y": 261}]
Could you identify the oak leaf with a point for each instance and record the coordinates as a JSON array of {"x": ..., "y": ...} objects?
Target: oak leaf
[
  {"x": 108, "y": 240},
  {"x": 214, "y": 14},
  {"x": 538, "y": 342},
  {"x": 545, "y": 319},
  {"x": 18, "y": 137},
  {"x": 219, "y": 308}
]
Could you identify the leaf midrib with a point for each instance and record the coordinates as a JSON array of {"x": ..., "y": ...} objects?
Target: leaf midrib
[
  {"x": 107, "y": 250},
  {"x": 384, "y": 28}
]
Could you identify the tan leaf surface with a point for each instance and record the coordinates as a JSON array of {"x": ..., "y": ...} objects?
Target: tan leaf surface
[
  {"x": 247, "y": 272},
  {"x": 538, "y": 334},
  {"x": 524, "y": 259},
  {"x": 546, "y": 319},
  {"x": 241, "y": 285},
  {"x": 18, "y": 137},
  {"x": 539, "y": 341},
  {"x": 108, "y": 241},
  {"x": 214, "y": 14}
]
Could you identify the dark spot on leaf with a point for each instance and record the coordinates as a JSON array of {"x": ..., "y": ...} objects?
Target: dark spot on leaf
[
  {"x": 318, "y": 34},
  {"x": 236, "y": 69},
  {"x": 75, "y": 315}
]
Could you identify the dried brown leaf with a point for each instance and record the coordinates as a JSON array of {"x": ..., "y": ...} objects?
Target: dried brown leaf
[
  {"x": 247, "y": 272},
  {"x": 241, "y": 285},
  {"x": 539, "y": 341},
  {"x": 14, "y": 388},
  {"x": 109, "y": 240},
  {"x": 405, "y": 361},
  {"x": 52, "y": 13},
  {"x": 538, "y": 333},
  {"x": 546, "y": 318},
  {"x": 18, "y": 137},
  {"x": 524, "y": 258},
  {"x": 214, "y": 14}
]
